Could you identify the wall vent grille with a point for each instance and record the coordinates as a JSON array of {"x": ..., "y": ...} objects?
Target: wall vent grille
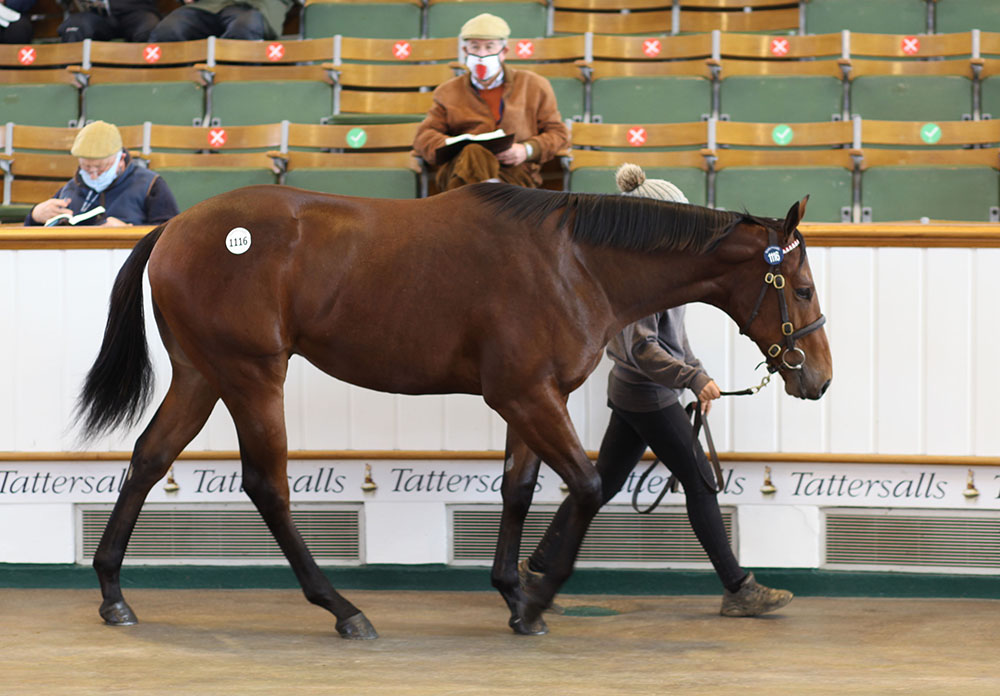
[
  {"x": 933, "y": 540},
  {"x": 209, "y": 534},
  {"x": 618, "y": 536}
]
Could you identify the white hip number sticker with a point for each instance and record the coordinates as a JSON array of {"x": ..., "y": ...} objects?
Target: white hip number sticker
[{"x": 238, "y": 240}]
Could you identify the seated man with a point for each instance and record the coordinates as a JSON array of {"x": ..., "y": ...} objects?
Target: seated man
[
  {"x": 252, "y": 20},
  {"x": 130, "y": 194},
  {"x": 14, "y": 29},
  {"x": 492, "y": 96},
  {"x": 103, "y": 20}
]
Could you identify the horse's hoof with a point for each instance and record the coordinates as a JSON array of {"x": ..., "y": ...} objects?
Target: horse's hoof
[
  {"x": 356, "y": 627},
  {"x": 118, "y": 614},
  {"x": 528, "y": 628}
]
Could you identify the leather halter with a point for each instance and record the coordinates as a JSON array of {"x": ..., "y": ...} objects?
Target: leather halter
[{"x": 775, "y": 255}]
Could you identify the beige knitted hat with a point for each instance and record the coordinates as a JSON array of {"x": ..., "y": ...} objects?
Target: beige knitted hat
[
  {"x": 632, "y": 181},
  {"x": 485, "y": 26},
  {"x": 97, "y": 140}
]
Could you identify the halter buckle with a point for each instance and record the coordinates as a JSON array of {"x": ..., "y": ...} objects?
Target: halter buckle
[
  {"x": 774, "y": 351},
  {"x": 778, "y": 281},
  {"x": 787, "y": 328}
]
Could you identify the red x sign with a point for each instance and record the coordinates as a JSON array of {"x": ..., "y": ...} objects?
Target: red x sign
[
  {"x": 651, "y": 47},
  {"x": 779, "y": 47},
  {"x": 217, "y": 137},
  {"x": 26, "y": 56},
  {"x": 151, "y": 53},
  {"x": 401, "y": 50},
  {"x": 275, "y": 51},
  {"x": 911, "y": 45},
  {"x": 525, "y": 49},
  {"x": 637, "y": 136}
]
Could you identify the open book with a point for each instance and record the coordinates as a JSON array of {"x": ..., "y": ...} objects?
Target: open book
[
  {"x": 494, "y": 141},
  {"x": 67, "y": 219},
  {"x": 8, "y": 16}
]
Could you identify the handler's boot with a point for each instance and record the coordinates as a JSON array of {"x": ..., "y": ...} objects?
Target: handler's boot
[{"x": 753, "y": 599}]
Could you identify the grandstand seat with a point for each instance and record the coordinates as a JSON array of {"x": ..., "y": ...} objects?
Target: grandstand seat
[
  {"x": 201, "y": 162},
  {"x": 374, "y": 160},
  {"x": 555, "y": 58},
  {"x": 36, "y": 163},
  {"x": 914, "y": 77},
  {"x": 525, "y": 17},
  {"x": 35, "y": 86},
  {"x": 593, "y": 170},
  {"x": 766, "y": 78},
  {"x": 376, "y": 93},
  {"x": 936, "y": 175},
  {"x": 383, "y": 19},
  {"x": 965, "y": 15},
  {"x": 881, "y": 17},
  {"x": 655, "y": 22},
  {"x": 742, "y": 16},
  {"x": 131, "y": 83},
  {"x": 258, "y": 82},
  {"x": 763, "y": 166},
  {"x": 987, "y": 65},
  {"x": 349, "y": 49}
]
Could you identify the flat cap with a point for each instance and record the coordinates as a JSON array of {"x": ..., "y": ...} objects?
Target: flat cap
[
  {"x": 97, "y": 140},
  {"x": 485, "y": 26}
]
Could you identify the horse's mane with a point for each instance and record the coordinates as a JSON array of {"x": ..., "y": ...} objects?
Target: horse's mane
[{"x": 623, "y": 222}]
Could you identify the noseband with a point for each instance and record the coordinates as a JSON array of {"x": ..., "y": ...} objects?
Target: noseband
[{"x": 775, "y": 255}]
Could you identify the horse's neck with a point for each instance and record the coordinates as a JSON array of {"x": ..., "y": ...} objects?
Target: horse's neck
[{"x": 638, "y": 284}]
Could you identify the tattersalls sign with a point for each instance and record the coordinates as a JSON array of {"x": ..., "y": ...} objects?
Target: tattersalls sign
[{"x": 459, "y": 481}]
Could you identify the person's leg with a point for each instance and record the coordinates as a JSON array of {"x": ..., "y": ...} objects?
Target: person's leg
[
  {"x": 86, "y": 25},
  {"x": 519, "y": 175},
  {"x": 137, "y": 24},
  {"x": 186, "y": 24},
  {"x": 18, "y": 32},
  {"x": 620, "y": 451},
  {"x": 473, "y": 164},
  {"x": 242, "y": 22}
]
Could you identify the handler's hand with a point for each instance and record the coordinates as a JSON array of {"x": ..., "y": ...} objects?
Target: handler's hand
[
  {"x": 46, "y": 210},
  {"x": 514, "y": 155},
  {"x": 709, "y": 392},
  {"x": 115, "y": 222}
]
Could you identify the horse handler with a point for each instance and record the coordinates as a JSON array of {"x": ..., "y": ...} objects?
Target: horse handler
[{"x": 653, "y": 364}]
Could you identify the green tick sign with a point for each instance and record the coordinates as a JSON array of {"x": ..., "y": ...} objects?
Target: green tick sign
[
  {"x": 930, "y": 133},
  {"x": 356, "y": 137},
  {"x": 782, "y": 134}
]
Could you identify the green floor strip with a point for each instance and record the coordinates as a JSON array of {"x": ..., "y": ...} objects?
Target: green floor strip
[{"x": 804, "y": 582}]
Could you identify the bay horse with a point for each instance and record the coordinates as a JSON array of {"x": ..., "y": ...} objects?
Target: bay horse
[{"x": 490, "y": 289}]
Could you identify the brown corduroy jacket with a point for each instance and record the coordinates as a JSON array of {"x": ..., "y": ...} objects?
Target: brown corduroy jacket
[{"x": 529, "y": 111}]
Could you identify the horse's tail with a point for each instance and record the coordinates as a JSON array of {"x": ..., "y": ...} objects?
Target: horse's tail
[{"x": 120, "y": 383}]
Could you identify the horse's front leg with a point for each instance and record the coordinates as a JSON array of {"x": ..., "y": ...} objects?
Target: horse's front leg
[
  {"x": 540, "y": 418},
  {"x": 520, "y": 471}
]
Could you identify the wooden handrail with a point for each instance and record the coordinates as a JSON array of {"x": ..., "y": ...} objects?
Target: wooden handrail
[
  {"x": 820, "y": 234},
  {"x": 497, "y": 455}
]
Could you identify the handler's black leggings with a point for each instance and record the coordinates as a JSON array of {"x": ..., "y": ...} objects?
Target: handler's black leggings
[{"x": 668, "y": 434}]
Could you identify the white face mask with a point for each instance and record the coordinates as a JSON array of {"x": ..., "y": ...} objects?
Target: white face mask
[
  {"x": 483, "y": 67},
  {"x": 103, "y": 180}
]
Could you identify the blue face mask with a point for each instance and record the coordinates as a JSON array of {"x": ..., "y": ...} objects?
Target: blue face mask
[{"x": 103, "y": 180}]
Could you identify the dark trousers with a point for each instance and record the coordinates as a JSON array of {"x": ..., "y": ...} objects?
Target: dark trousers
[
  {"x": 130, "y": 24},
  {"x": 18, "y": 32},
  {"x": 668, "y": 433},
  {"x": 233, "y": 22}
]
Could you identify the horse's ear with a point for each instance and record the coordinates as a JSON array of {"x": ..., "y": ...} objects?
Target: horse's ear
[{"x": 795, "y": 215}]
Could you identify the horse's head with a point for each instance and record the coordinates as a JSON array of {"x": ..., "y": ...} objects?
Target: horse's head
[{"x": 774, "y": 301}]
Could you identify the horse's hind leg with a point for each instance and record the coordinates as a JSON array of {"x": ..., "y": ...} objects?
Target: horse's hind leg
[
  {"x": 182, "y": 414},
  {"x": 258, "y": 411},
  {"x": 520, "y": 473}
]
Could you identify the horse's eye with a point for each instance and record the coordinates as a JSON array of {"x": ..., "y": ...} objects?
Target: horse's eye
[{"x": 804, "y": 293}]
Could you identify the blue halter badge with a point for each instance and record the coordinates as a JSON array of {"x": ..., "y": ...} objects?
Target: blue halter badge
[{"x": 773, "y": 255}]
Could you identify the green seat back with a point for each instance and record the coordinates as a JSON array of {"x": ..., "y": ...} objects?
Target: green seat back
[
  {"x": 569, "y": 96},
  {"x": 770, "y": 191},
  {"x": 650, "y": 99},
  {"x": 939, "y": 193},
  {"x": 252, "y": 103},
  {"x": 990, "y": 96},
  {"x": 602, "y": 180},
  {"x": 964, "y": 15},
  {"x": 365, "y": 20},
  {"x": 775, "y": 99},
  {"x": 912, "y": 98},
  {"x": 39, "y": 105},
  {"x": 193, "y": 185},
  {"x": 526, "y": 19},
  {"x": 367, "y": 182},
  {"x": 131, "y": 104},
  {"x": 869, "y": 16}
]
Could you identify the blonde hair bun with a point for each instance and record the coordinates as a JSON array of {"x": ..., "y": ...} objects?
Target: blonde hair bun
[{"x": 629, "y": 177}]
